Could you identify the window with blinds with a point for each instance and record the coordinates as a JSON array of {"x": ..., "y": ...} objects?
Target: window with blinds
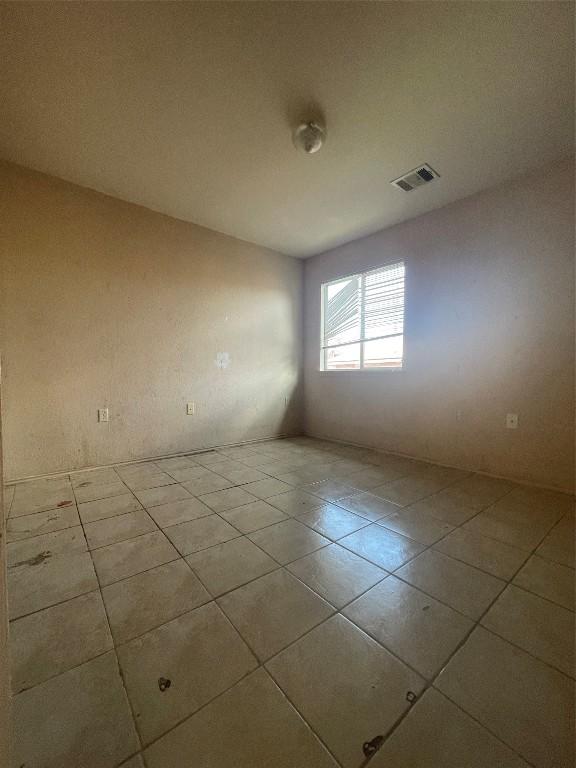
[{"x": 363, "y": 321}]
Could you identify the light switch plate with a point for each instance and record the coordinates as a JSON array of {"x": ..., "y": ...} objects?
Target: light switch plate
[
  {"x": 511, "y": 421},
  {"x": 102, "y": 414}
]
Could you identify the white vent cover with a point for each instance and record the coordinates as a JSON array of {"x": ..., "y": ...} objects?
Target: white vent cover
[{"x": 421, "y": 175}]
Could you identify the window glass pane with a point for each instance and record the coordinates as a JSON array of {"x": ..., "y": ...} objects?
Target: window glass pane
[
  {"x": 384, "y": 301},
  {"x": 384, "y": 353},
  {"x": 342, "y": 358},
  {"x": 342, "y": 311}
]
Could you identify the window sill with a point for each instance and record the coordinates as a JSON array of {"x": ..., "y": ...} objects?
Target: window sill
[{"x": 366, "y": 370}]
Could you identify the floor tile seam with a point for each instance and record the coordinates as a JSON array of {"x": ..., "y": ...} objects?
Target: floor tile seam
[{"x": 120, "y": 541}]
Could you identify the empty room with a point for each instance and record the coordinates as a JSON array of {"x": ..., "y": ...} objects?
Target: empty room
[{"x": 287, "y": 378}]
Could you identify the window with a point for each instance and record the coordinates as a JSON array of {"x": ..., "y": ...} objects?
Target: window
[{"x": 363, "y": 321}]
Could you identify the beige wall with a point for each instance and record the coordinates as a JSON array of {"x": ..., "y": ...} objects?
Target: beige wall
[
  {"x": 489, "y": 329},
  {"x": 107, "y": 304}
]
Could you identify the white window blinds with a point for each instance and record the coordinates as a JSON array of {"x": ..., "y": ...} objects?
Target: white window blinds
[{"x": 363, "y": 320}]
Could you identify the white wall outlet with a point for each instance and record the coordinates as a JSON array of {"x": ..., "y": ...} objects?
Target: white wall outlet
[
  {"x": 511, "y": 421},
  {"x": 102, "y": 414},
  {"x": 191, "y": 409}
]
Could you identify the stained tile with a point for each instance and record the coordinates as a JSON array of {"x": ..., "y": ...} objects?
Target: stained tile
[
  {"x": 114, "y": 529},
  {"x": 369, "y": 506},
  {"x": 495, "y": 557},
  {"x": 39, "y": 548},
  {"x": 273, "y": 611},
  {"x": 200, "y": 534},
  {"x": 153, "y": 497},
  {"x": 79, "y": 718},
  {"x": 295, "y": 502},
  {"x": 88, "y": 477},
  {"x": 347, "y": 687},
  {"x": 221, "y": 501},
  {"x": 263, "y": 489},
  {"x": 415, "y": 627},
  {"x": 250, "y": 726},
  {"x": 50, "y": 641},
  {"x": 252, "y": 517},
  {"x": 550, "y": 580},
  {"x": 200, "y": 653},
  {"x": 385, "y": 548},
  {"x": 558, "y": 546},
  {"x": 462, "y": 587},
  {"x": 118, "y": 561},
  {"x": 94, "y": 492},
  {"x": 229, "y": 565},
  {"x": 538, "y": 626},
  {"x": 416, "y": 525},
  {"x": 146, "y": 600},
  {"x": 288, "y": 540},
  {"x": 518, "y": 698},
  {"x": 101, "y": 509},
  {"x": 26, "y": 526},
  {"x": 48, "y": 581},
  {"x": 175, "y": 512},
  {"x": 437, "y": 734},
  {"x": 29, "y": 500},
  {"x": 332, "y": 521},
  {"x": 336, "y": 574}
]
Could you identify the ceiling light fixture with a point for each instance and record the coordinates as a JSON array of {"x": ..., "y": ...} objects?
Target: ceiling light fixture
[{"x": 309, "y": 137}]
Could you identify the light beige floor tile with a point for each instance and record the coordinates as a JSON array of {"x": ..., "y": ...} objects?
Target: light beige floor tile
[
  {"x": 295, "y": 502},
  {"x": 437, "y": 734},
  {"x": 118, "y": 561},
  {"x": 226, "y": 465},
  {"x": 137, "y": 468},
  {"x": 185, "y": 474},
  {"x": 369, "y": 506},
  {"x": 146, "y": 600},
  {"x": 476, "y": 491},
  {"x": 256, "y": 461},
  {"x": 135, "y": 762},
  {"x": 200, "y": 534},
  {"x": 200, "y": 653},
  {"x": 538, "y": 626},
  {"x": 443, "y": 507},
  {"x": 176, "y": 462},
  {"x": 114, "y": 529},
  {"x": 52, "y": 580},
  {"x": 50, "y": 641},
  {"x": 154, "y": 497},
  {"x": 90, "y": 477},
  {"x": 460, "y": 586},
  {"x": 101, "y": 509},
  {"x": 288, "y": 540},
  {"x": 347, "y": 687},
  {"x": 145, "y": 482},
  {"x": 409, "y": 489},
  {"x": 550, "y": 580},
  {"x": 229, "y": 565},
  {"x": 490, "y": 555},
  {"x": 558, "y": 546},
  {"x": 176, "y": 512},
  {"x": 415, "y": 627},
  {"x": 336, "y": 574},
  {"x": 273, "y": 611},
  {"x": 240, "y": 451},
  {"x": 229, "y": 498},
  {"x": 385, "y": 548},
  {"x": 95, "y": 492},
  {"x": 253, "y": 516},
  {"x": 519, "y": 526},
  {"x": 370, "y": 477},
  {"x": 207, "y": 484},
  {"x": 245, "y": 476},
  {"x": 263, "y": 489},
  {"x": 38, "y": 548},
  {"x": 550, "y": 504},
  {"x": 330, "y": 490},
  {"x": 250, "y": 726},
  {"x": 40, "y": 500},
  {"x": 207, "y": 458},
  {"x": 522, "y": 701},
  {"x": 332, "y": 521},
  {"x": 80, "y": 718},
  {"x": 26, "y": 526},
  {"x": 416, "y": 525}
]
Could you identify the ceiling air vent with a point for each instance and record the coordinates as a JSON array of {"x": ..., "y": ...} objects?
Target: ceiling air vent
[{"x": 421, "y": 175}]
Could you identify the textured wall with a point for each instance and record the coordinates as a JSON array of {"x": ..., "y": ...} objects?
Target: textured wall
[
  {"x": 489, "y": 329},
  {"x": 106, "y": 304}
]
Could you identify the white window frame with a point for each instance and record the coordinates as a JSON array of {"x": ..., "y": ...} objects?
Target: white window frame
[{"x": 362, "y": 340}]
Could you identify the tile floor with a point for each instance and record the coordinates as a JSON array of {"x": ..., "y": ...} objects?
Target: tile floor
[{"x": 290, "y": 604}]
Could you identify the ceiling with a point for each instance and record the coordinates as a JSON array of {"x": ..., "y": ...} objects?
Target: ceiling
[{"x": 187, "y": 108}]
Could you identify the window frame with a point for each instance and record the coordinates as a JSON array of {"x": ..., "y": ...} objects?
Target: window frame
[{"x": 362, "y": 340}]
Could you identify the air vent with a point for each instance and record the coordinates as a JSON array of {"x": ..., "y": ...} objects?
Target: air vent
[{"x": 421, "y": 175}]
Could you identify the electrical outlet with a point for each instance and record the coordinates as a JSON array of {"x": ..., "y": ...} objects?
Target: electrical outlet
[
  {"x": 191, "y": 409},
  {"x": 102, "y": 414},
  {"x": 511, "y": 421}
]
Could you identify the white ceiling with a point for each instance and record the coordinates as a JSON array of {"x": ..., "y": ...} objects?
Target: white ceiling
[{"x": 187, "y": 108}]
